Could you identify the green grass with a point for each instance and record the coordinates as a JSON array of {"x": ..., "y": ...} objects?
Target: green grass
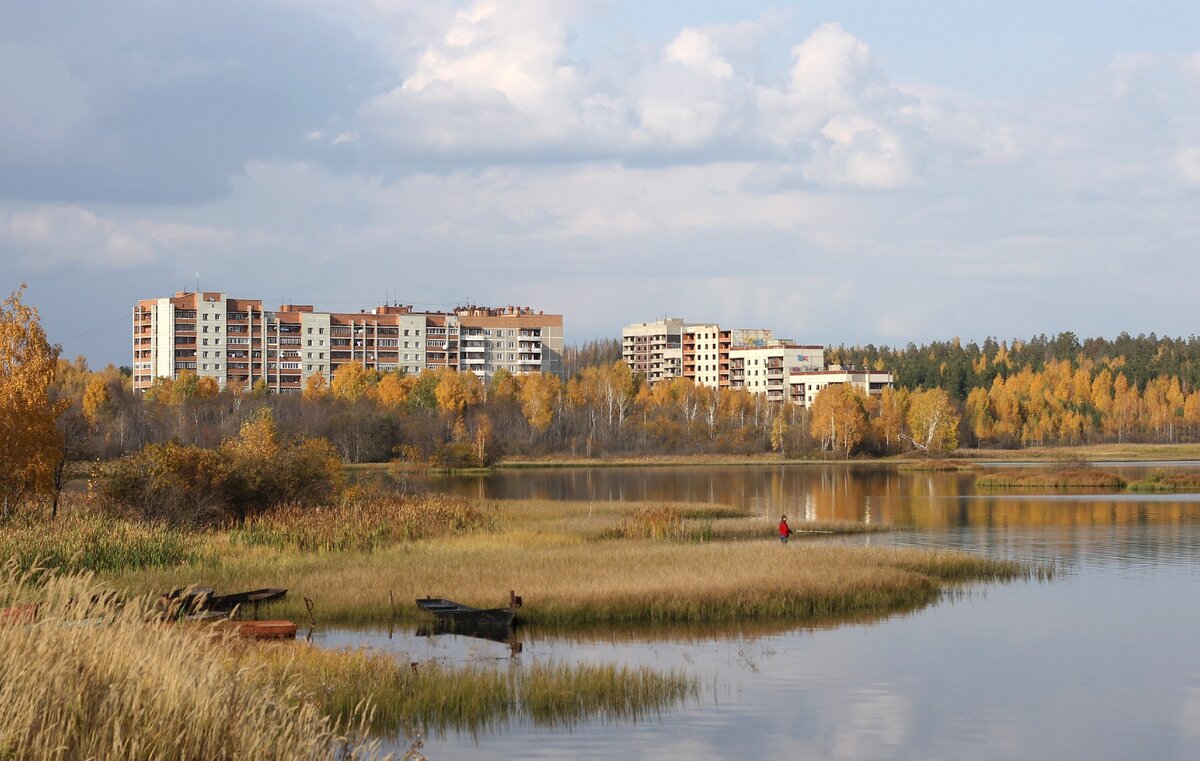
[
  {"x": 1167, "y": 481},
  {"x": 87, "y": 542}
]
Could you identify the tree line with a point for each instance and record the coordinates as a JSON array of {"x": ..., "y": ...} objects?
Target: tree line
[{"x": 59, "y": 417}]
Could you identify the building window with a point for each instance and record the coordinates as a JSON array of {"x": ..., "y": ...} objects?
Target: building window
[
  {"x": 204, "y": 316},
  {"x": 205, "y": 340},
  {"x": 205, "y": 367},
  {"x": 205, "y": 329},
  {"x": 310, "y": 331},
  {"x": 310, "y": 340},
  {"x": 218, "y": 365}
]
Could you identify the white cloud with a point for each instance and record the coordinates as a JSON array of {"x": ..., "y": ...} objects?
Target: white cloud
[
  {"x": 49, "y": 236},
  {"x": 1188, "y": 162}
]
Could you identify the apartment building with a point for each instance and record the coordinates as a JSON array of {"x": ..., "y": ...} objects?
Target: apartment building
[
  {"x": 765, "y": 369},
  {"x": 752, "y": 360},
  {"x": 654, "y": 349},
  {"x": 803, "y": 387},
  {"x": 239, "y": 341}
]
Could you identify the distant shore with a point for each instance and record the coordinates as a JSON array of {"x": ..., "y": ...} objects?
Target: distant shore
[{"x": 1089, "y": 452}]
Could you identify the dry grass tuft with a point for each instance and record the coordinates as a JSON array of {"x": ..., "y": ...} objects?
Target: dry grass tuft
[{"x": 1168, "y": 481}]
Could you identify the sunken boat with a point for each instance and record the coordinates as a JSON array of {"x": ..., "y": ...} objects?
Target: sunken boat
[{"x": 456, "y": 615}]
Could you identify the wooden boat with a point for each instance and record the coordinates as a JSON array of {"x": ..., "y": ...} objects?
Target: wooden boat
[
  {"x": 262, "y": 630},
  {"x": 19, "y": 614},
  {"x": 194, "y": 600},
  {"x": 466, "y": 617}
]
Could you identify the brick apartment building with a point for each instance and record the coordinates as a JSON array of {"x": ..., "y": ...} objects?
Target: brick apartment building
[{"x": 238, "y": 340}]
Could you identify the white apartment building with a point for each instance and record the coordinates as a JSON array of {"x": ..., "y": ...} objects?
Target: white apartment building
[{"x": 765, "y": 369}]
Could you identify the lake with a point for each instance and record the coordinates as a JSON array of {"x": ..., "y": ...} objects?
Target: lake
[{"x": 1103, "y": 662}]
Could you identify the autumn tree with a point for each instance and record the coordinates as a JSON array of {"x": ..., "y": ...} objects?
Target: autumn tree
[
  {"x": 29, "y": 437},
  {"x": 839, "y": 417},
  {"x": 932, "y": 420},
  {"x": 315, "y": 387}
]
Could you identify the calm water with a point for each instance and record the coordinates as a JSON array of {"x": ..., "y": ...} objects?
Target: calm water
[{"x": 1101, "y": 663}]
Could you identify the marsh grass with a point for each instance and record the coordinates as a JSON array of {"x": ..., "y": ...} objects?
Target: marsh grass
[
  {"x": 361, "y": 524},
  {"x": 573, "y": 583},
  {"x": 1053, "y": 479},
  {"x": 92, "y": 542},
  {"x": 1159, "y": 480},
  {"x": 96, "y": 680},
  {"x": 433, "y": 697}
]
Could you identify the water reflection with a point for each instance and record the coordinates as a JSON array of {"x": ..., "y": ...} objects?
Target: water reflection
[{"x": 1099, "y": 664}]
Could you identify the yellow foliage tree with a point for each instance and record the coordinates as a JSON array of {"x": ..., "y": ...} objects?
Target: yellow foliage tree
[
  {"x": 351, "y": 381},
  {"x": 393, "y": 390},
  {"x": 932, "y": 419},
  {"x": 315, "y": 387},
  {"x": 96, "y": 399},
  {"x": 28, "y": 436},
  {"x": 838, "y": 418},
  {"x": 539, "y": 392}
]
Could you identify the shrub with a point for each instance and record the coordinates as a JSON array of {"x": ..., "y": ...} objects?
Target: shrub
[{"x": 189, "y": 485}]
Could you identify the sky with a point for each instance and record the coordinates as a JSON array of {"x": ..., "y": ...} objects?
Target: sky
[{"x": 841, "y": 172}]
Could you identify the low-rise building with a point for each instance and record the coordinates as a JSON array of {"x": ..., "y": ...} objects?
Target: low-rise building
[{"x": 803, "y": 387}]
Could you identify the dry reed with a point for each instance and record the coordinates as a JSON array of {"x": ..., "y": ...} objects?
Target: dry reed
[
  {"x": 96, "y": 680},
  {"x": 432, "y": 697}
]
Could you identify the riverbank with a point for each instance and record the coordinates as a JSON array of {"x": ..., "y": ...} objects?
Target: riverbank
[{"x": 1090, "y": 452}]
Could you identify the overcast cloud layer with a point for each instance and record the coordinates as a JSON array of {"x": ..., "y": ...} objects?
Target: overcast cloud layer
[{"x": 776, "y": 169}]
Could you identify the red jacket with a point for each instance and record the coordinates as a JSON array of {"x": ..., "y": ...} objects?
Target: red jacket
[{"x": 784, "y": 529}]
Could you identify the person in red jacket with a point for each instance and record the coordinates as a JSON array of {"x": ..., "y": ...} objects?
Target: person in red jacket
[{"x": 784, "y": 530}]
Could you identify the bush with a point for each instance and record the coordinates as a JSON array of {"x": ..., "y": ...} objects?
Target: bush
[{"x": 189, "y": 485}]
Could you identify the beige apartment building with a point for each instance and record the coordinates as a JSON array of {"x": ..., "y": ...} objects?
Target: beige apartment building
[
  {"x": 238, "y": 340},
  {"x": 654, "y": 349}
]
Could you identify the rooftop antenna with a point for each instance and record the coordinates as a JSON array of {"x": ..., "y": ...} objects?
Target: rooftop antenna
[{"x": 197, "y": 281}]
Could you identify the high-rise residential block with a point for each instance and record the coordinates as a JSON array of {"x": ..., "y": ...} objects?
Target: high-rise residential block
[
  {"x": 239, "y": 341},
  {"x": 752, "y": 360}
]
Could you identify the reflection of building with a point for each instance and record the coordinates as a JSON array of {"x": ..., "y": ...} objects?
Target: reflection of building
[
  {"x": 237, "y": 340},
  {"x": 749, "y": 359}
]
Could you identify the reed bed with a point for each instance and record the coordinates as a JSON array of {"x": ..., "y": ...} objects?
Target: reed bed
[
  {"x": 1054, "y": 479},
  {"x": 361, "y": 525},
  {"x": 407, "y": 699},
  {"x": 96, "y": 680},
  {"x": 598, "y": 582},
  {"x": 91, "y": 542},
  {"x": 1168, "y": 481}
]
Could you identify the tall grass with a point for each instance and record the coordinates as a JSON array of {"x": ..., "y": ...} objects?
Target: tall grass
[
  {"x": 361, "y": 525},
  {"x": 96, "y": 680},
  {"x": 574, "y": 583},
  {"x": 91, "y": 542},
  {"x": 432, "y": 697}
]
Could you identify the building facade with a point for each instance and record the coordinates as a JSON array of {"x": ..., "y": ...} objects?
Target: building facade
[
  {"x": 239, "y": 341},
  {"x": 654, "y": 349},
  {"x": 803, "y": 387}
]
